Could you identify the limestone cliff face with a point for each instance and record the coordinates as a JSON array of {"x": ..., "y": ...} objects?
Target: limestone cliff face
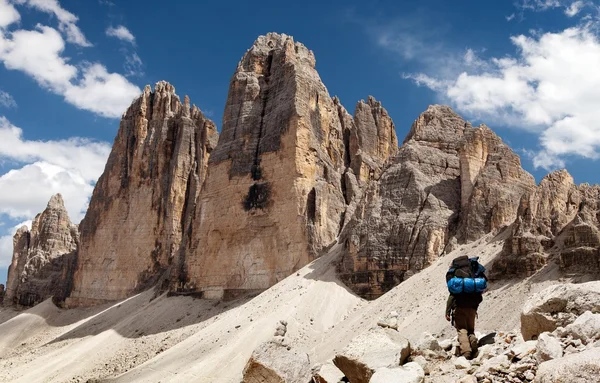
[
  {"x": 134, "y": 223},
  {"x": 43, "y": 257},
  {"x": 492, "y": 182},
  {"x": 275, "y": 193},
  {"x": 557, "y": 218},
  {"x": 371, "y": 139},
  {"x": 449, "y": 182}
]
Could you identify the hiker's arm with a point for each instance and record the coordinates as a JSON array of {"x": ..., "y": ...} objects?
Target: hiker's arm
[{"x": 449, "y": 304}]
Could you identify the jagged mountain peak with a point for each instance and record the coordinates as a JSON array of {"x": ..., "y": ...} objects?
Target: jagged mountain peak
[
  {"x": 56, "y": 202},
  {"x": 271, "y": 45},
  {"x": 439, "y": 124}
]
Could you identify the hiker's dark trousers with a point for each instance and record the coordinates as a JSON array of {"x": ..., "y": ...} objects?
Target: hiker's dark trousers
[{"x": 464, "y": 321}]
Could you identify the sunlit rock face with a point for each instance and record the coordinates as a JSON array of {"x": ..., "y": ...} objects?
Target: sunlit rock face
[{"x": 134, "y": 224}]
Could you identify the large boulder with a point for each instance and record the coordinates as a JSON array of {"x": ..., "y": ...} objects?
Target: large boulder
[
  {"x": 374, "y": 349},
  {"x": 274, "y": 362},
  {"x": 585, "y": 328},
  {"x": 328, "y": 373},
  {"x": 558, "y": 306},
  {"x": 409, "y": 373},
  {"x": 428, "y": 342},
  {"x": 583, "y": 367}
]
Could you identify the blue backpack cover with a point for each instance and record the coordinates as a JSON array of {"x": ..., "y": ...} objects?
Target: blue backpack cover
[{"x": 475, "y": 282}]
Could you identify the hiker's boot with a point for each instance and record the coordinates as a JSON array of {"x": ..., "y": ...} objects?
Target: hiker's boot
[
  {"x": 465, "y": 345},
  {"x": 474, "y": 344}
]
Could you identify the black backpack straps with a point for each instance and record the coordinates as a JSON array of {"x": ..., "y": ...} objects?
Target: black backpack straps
[{"x": 450, "y": 273}]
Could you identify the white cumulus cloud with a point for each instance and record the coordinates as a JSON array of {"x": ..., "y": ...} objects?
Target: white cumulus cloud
[
  {"x": 66, "y": 20},
  {"x": 107, "y": 94},
  {"x": 121, "y": 32},
  {"x": 8, "y": 14},
  {"x": 25, "y": 192},
  {"x": 70, "y": 167},
  {"x": 39, "y": 53},
  {"x": 550, "y": 87},
  {"x": 82, "y": 155}
]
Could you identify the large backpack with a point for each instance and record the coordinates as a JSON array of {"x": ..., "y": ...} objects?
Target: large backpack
[{"x": 466, "y": 275}]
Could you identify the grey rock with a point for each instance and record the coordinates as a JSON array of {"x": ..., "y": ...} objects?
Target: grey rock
[
  {"x": 428, "y": 342},
  {"x": 370, "y": 351},
  {"x": 521, "y": 350},
  {"x": 273, "y": 362},
  {"x": 497, "y": 363},
  {"x": 446, "y": 344},
  {"x": 461, "y": 363},
  {"x": 585, "y": 328},
  {"x": 548, "y": 347},
  {"x": 327, "y": 373},
  {"x": 558, "y": 306},
  {"x": 582, "y": 367},
  {"x": 409, "y": 373},
  {"x": 421, "y": 361}
]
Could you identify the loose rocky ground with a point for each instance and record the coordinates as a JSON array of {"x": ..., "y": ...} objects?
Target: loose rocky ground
[{"x": 178, "y": 339}]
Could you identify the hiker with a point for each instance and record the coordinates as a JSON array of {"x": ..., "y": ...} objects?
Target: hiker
[{"x": 466, "y": 282}]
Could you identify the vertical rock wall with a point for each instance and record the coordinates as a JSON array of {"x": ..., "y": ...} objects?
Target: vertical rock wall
[
  {"x": 133, "y": 227},
  {"x": 276, "y": 193},
  {"x": 273, "y": 196}
]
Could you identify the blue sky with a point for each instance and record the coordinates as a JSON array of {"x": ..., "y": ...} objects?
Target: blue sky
[{"x": 69, "y": 69}]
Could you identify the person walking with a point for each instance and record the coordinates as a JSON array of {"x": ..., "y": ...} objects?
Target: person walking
[{"x": 466, "y": 282}]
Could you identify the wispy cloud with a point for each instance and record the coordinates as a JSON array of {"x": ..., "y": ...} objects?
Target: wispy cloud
[
  {"x": 510, "y": 17},
  {"x": 6, "y": 100},
  {"x": 570, "y": 8},
  {"x": 133, "y": 65},
  {"x": 574, "y": 8},
  {"x": 122, "y": 33},
  {"x": 539, "y": 5}
]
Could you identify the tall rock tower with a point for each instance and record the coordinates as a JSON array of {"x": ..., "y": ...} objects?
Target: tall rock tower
[
  {"x": 134, "y": 223},
  {"x": 43, "y": 257},
  {"x": 275, "y": 194}
]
